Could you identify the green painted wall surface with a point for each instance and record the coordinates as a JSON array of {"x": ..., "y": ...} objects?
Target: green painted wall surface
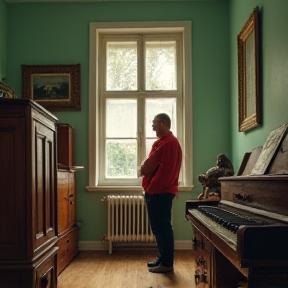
[
  {"x": 273, "y": 23},
  {"x": 58, "y": 33},
  {"x": 3, "y": 39}
]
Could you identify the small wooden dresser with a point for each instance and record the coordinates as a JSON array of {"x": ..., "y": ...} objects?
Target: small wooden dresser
[{"x": 67, "y": 229}]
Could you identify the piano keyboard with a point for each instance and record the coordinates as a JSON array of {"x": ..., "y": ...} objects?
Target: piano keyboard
[
  {"x": 224, "y": 223},
  {"x": 229, "y": 220}
]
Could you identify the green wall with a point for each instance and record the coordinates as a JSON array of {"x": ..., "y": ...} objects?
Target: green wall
[
  {"x": 41, "y": 33},
  {"x": 273, "y": 23},
  {"x": 58, "y": 33},
  {"x": 3, "y": 39}
]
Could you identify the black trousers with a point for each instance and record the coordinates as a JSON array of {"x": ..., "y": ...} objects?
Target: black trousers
[{"x": 159, "y": 208}]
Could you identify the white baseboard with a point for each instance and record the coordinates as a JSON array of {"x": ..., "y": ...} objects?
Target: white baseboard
[{"x": 98, "y": 245}]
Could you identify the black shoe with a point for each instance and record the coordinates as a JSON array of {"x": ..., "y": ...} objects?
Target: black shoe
[
  {"x": 161, "y": 269},
  {"x": 154, "y": 263}
]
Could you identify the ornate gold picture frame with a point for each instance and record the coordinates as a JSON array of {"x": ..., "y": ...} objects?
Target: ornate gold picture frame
[
  {"x": 248, "y": 74},
  {"x": 55, "y": 87}
]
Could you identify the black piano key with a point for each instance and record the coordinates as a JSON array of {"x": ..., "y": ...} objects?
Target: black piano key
[{"x": 227, "y": 219}]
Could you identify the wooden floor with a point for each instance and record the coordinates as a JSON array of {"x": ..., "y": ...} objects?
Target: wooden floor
[{"x": 125, "y": 269}]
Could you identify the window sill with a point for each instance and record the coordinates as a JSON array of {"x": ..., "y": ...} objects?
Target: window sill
[{"x": 129, "y": 189}]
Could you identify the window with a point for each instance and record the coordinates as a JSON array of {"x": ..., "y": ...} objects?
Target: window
[{"x": 136, "y": 73}]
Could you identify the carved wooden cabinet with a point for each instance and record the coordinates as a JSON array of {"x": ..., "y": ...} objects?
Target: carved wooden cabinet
[
  {"x": 28, "y": 187},
  {"x": 67, "y": 229}
]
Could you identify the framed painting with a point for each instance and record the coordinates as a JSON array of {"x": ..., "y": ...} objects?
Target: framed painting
[
  {"x": 268, "y": 151},
  {"x": 55, "y": 87},
  {"x": 248, "y": 74}
]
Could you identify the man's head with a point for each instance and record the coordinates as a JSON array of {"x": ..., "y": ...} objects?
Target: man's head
[{"x": 161, "y": 124}]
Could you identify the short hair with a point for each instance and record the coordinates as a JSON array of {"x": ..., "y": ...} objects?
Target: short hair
[{"x": 164, "y": 118}]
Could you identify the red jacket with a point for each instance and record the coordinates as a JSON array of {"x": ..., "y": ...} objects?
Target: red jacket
[{"x": 164, "y": 162}]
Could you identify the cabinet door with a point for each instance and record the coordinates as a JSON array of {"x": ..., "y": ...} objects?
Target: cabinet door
[
  {"x": 66, "y": 201},
  {"x": 63, "y": 201},
  {"x": 43, "y": 183},
  {"x": 12, "y": 188},
  {"x": 72, "y": 200}
]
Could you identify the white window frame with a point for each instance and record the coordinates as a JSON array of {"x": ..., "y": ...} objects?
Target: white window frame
[{"x": 94, "y": 101}]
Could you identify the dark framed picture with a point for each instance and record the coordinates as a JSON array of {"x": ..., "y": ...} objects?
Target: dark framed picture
[
  {"x": 55, "y": 87},
  {"x": 248, "y": 74}
]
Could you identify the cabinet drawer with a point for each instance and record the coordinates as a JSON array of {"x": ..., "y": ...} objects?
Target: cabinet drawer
[
  {"x": 68, "y": 249},
  {"x": 39, "y": 274},
  {"x": 46, "y": 276}
]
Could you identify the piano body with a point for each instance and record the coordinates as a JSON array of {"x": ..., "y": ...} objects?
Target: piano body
[{"x": 242, "y": 240}]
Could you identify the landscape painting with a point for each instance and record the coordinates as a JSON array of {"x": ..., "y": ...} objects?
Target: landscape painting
[
  {"x": 55, "y": 87},
  {"x": 51, "y": 87}
]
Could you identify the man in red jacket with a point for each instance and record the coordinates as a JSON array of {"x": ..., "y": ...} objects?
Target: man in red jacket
[{"x": 160, "y": 182}]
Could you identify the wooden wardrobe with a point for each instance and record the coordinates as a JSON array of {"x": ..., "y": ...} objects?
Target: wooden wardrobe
[{"x": 28, "y": 187}]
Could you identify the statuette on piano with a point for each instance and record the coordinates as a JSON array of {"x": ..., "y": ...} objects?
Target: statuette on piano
[{"x": 209, "y": 180}]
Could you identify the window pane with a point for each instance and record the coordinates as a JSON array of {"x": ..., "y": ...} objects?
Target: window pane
[
  {"x": 149, "y": 143},
  {"x": 121, "y": 158},
  {"x": 157, "y": 106},
  {"x": 161, "y": 65},
  {"x": 121, "y": 118},
  {"x": 121, "y": 66}
]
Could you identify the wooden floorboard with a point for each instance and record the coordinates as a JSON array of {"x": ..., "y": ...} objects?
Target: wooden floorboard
[{"x": 125, "y": 269}]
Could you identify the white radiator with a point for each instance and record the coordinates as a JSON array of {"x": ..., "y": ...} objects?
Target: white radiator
[{"x": 128, "y": 220}]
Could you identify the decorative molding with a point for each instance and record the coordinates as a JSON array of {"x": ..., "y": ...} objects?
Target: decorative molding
[{"x": 67, "y": 1}]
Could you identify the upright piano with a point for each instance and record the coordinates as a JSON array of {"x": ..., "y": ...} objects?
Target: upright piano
[{"x": 242, "y": 239}]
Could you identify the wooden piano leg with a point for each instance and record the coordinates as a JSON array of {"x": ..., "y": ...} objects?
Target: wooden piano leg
[{"x": 225, "y": 274}]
